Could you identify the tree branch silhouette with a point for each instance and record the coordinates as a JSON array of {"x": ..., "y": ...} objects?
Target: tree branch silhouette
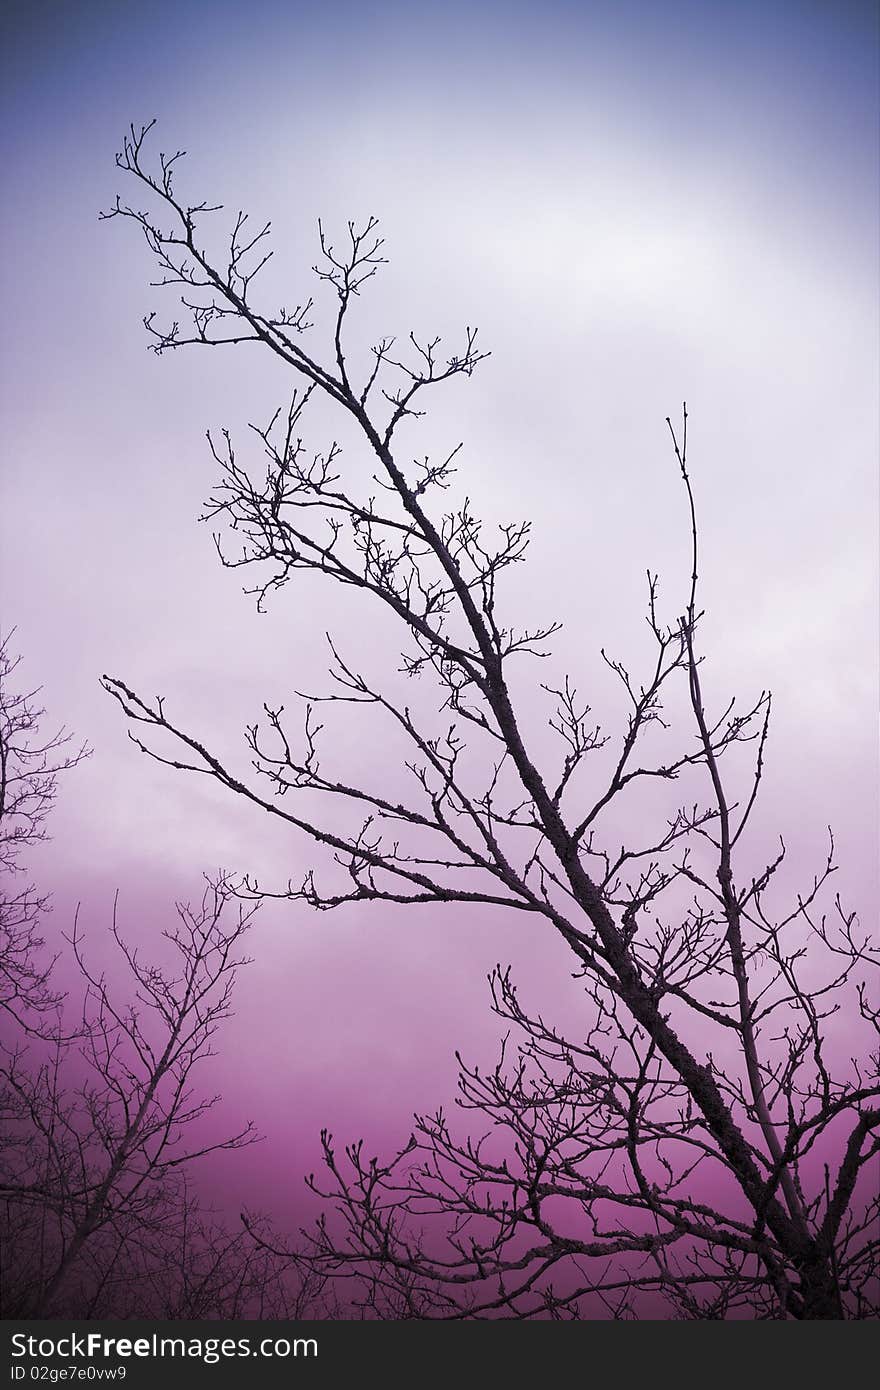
[{"x": 692, "y": 973}]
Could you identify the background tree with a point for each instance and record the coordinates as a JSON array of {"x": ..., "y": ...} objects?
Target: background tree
[
  {"x": 29, "y": 767},
  {"x": 100, "y": 1128},
  {"x": 100, "y": 1117},
  {"x": 705, "y": 1064}
]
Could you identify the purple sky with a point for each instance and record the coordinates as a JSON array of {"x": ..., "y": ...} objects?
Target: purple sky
[{"x": 636, "y": 203}]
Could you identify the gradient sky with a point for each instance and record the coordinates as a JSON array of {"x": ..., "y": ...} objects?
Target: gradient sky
[{"x": 637, "y": 203}]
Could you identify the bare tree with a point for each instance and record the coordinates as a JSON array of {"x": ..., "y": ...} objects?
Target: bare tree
[
  {"x": 184, "y": 1263},
  {"x": 100, "y": 1125},
  {"x": 29, "y": 769},
  {"x": 704, "y": 1064},
  {"x": 211, "y": 1272}
]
